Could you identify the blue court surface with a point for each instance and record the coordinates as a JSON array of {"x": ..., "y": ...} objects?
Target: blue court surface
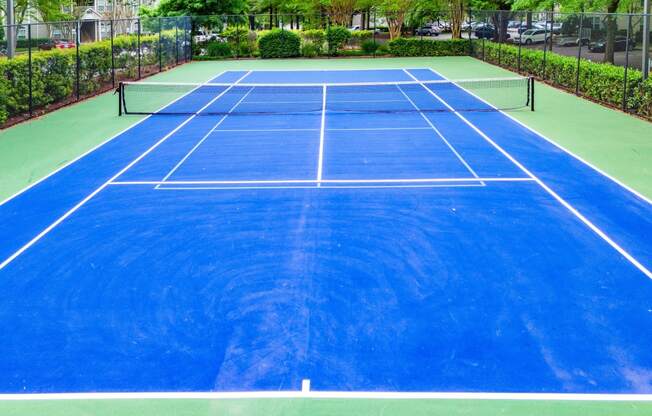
[{"x": 404, "y": 251}]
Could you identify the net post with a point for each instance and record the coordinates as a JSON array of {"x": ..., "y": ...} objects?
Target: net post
[
  {"x": 120, "y": 92},
  {"x": 531, "y": 88}
]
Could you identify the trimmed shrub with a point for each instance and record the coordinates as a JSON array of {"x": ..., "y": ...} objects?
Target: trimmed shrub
[
  {"x": 4, "y": 92},
  {"x": 383, "y": 49},
  {"x": 54, "y": 72},
  {"x": 360, "y": 36},
  {"x": 309, "y": 50},
  {"x": 599, "y": 81},
  {"x": 369, "y": 47},
  {"x": 242, "y": 41},
  {"x": 218, "y": 49},
  {"x": 279, "y": 43},
  {"x": 337, "y": 36},
  {"x": 426, "y": 47},
  {"x": 316, "y": 37}
]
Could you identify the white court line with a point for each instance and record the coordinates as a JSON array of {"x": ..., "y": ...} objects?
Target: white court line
[
  {"x": 91, "y": 150},
  {"x": 259, "y": 130},
  {"x": 326, "y": 181},
  {"x": 305, "y": 385},
  {"x": 104, "y": 185},
  {"x": 376, "y": 395},
  {"x": 320, "y": 186},
  {"x": 333, "y": 129},
  {"x": 199, "y": 143},
  {"x": 283, "y": 102},
  {"x": 320, "y": 161},
  {"x": 450, "y": 146},
  {"x": 380, "y": 128},
  {"x": 559, "y": 199},
  {"x": 559, "y": 146}
]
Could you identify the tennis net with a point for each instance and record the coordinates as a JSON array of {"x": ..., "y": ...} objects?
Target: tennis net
[{"x": 372, "y": 97}]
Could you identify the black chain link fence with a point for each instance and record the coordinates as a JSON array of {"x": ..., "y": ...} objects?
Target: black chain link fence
[{"x": 58, "y": 63}]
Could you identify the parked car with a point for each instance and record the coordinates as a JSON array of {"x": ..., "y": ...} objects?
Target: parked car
[
  {"x": 354, "y": 28},
  {"x": 620, "y": 44},
  {"x": 572, "y": 41},
  {"x": 531, "y": 36},
  {"x": 487, "y": 31},
  {"x": 56, "y": 44},
  {"x": 470, "y": 26},
  {"x": 428, "y": 30}
]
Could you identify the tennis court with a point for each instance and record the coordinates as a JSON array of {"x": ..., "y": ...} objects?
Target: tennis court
[{"x": 383, "y": 231}]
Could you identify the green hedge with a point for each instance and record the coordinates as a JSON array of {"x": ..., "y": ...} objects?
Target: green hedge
[
  {"x": 337, "y": 36},
  {"x": 315, "y": 38},
  {"x": 279, "y": 43},
  {"x": 54, "y": 71},
  {"x": 425, "y": 47},
  {"x": 599, "y": 81}
]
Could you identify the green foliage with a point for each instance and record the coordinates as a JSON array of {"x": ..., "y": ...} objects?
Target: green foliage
[
  {"x": 425, "y": 47},
  {"x": 337, "y": 36},
  {"x": 309, "y": 50},
  {"x": 242, "y": 41},
  {"x": 24, "y": 43},
  {"x": 315, "y": 37},
  {"x": 4, "y": 93},
  {"x": 219, "y": 49},
  {"x": 369, "y": 47},
  {"x": 383, "y": 49},
  {"x": 599, "y": 81},
  {"x": 279, "y": 43},
  {"x": 54, "y": 72},
  {"x": 200, "y": 7},
  {"x": 360, "y": 35}
]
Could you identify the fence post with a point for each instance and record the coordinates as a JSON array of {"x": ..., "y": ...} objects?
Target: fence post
[
  {"x": 579, "y": 55},
  {"x": 646, "y": 39},
  {"x": 483, "y": 39},
  {"x": 191, "y": 41},
  {"x": 374, "y": 34},
  {"x": 29, "y": 57},
  {"x": 499, "y": 28},
  {"x": 629, "y": 30},
  {"x": 160, "y": 45},
  {"x": 470, "y": 32},
  {"x": 139, "y": 47},
  {"x": 520, "y": 44},
  {"x": 545, "y": 47},
  {"x": 176, "y": 39},
  {"x": 112, "y": 58},
  {"x": 77, "y": 59},
  {"x": 552, "y": 23},
  {"x": 238, "y": 51}
]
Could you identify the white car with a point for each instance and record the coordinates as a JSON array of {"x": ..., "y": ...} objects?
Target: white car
[{"x": 531, "y": 36}]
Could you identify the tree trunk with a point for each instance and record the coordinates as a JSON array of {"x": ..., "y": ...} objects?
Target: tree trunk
[
  {"x": 611, "y": 27},
  {"x": 457, "y": 16}
]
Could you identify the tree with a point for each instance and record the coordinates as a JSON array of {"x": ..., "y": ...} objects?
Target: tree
[
  {"x": 341, "y": 11},
  {"x": 395, "y": 12}
]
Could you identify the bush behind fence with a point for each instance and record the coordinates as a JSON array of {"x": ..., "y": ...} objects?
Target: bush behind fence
[{"x": 36, "y": 81}]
